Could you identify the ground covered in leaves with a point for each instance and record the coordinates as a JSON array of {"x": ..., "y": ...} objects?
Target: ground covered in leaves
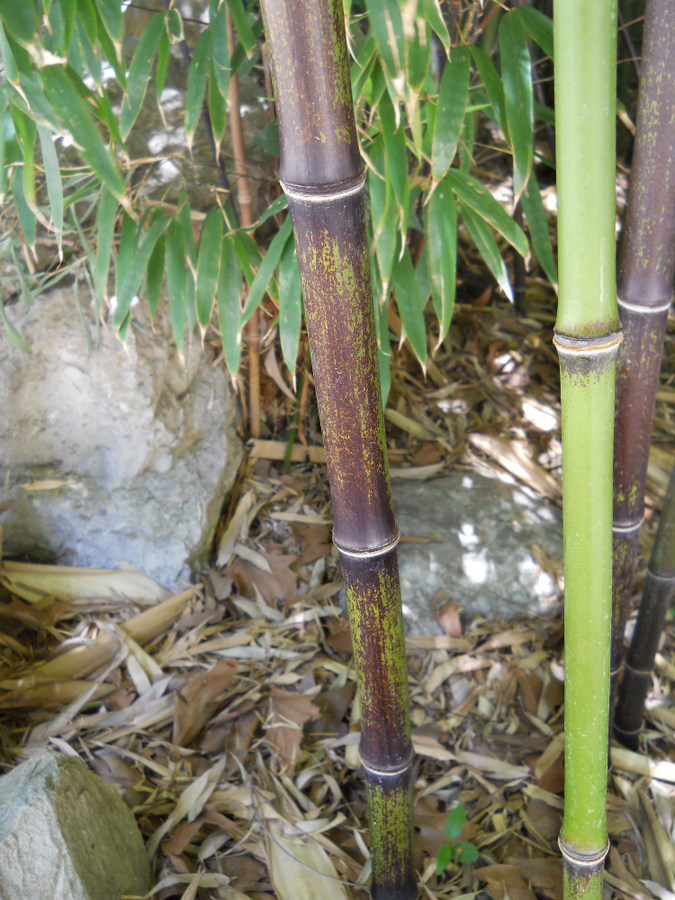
[{"x": 227, "y": 714}]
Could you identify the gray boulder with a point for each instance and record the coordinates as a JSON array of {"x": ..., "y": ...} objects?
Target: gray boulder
[
  {"x": 123, "y": 454},
  {"x": 66, "y": 835},
  {"x": 491, "y": 546}
]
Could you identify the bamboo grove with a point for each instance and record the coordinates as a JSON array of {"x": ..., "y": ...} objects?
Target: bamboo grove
[{"x": 343, "y": 259}]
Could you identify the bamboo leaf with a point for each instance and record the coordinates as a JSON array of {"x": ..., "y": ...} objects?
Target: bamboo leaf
[
  {"x": 54, "y": 185},
  {"x": 431, "y": 10},
  {"x": 537, "y": 222},
  {"x": 105, "y": 223},
  {"x": 472, "y": 193},
  {"x": 290, "y": 305},
  {"x": 163, "y": 54},
  {"x": 139, "y": 72},
  {"x": 229, "y": 309},
  {"x": 443, "y": 858},
  {"x": 20, "y": 18},
  {"x": 395, "y": 154},
  {"x": 196, "y": 83},
  {"x": 387, "y": 24},
  {"x": 126, "y": 249},
  {"x": 455, "y": 822},
  {"x": 134, "y": 274},
  {"x": 517, "y": 81},
  {"x": 266, "y": 269},
  {"x": 110, "y": 12},
  {"x": 208, "y": 265},
  {"x": 493, "y": 85},
  {"x": 409, "y": 305},
  {"x": 11, "y": 70},
  {"x": 453, "y": 92},
  {"x": 242, "y": 25},
  {"x": 220, "y": 57},
  {"x": 12, "y": 333},
  {"x": 217, "y": 107},
  {"x": 174, "y": 26},
  {"x": 176, "y": 280},
  {"x": 441, "y": 249},
  {"x": 75, "y": 116},
  {"x": 538, "y": 26},
  {"x": 27, "y": 219},
  {"x": 155, "y": 274},
  {"x": 26, "y": 134},
  {"x": 418, "y": 55},
  {"x": 487, "y": 247}
]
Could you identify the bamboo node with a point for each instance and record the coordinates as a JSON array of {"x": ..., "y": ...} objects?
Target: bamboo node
[
  {"x": 594, "y": 345},
  {"x": 388, "y": 773},
  {"x": 628, "y": 529},
  {"x": 642, "y": 672},
  {"x": 583, "y": 860},
  {"x": 369, "y": 553},
  {"x": 322, "y": 193},
  {"x": 663, "y": 306}
]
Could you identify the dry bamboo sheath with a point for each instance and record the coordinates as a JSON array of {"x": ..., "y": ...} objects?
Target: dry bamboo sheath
[
  {"x": 323, "y": 177},
  {"x": 645, "y": 294}
]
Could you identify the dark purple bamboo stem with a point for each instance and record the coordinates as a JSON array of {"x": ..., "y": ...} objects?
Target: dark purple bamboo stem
[
  {"x": 645, "y": 293},
  {"x": 657, "y": 595},
  {"x": 323, "y": 177}
]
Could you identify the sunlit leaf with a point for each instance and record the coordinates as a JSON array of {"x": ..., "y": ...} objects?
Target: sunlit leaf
[
  {"x": 208, "y": 265},
  {"x": 517, "y": 81},
  {"x": 242, "y": 25},
  {"x": 20, "y": 18},
  {"x": 409, "y": 305},
  {"x": 111, "y": 16},
  {"x": 472, "y": 193},
  {"x": 452, "y": 96},
  {"x": 431, "y": 9},
  {"x": 387, "y": 24},
  {"x": 418, "y": 54},
  {"x": 441, "y": 250}
]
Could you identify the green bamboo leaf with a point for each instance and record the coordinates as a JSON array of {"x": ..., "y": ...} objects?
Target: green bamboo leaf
[
  {"x": 126, "y": 249},
  {"x": 290, "y": 304},
  {"x": 7, "y": 56},
  {"x": 26, "y": 134},
  {"x": 418, "y": 54},
  {"x": 105, "y": 224},
  {"x": 453, "y": 92},
  {"x": 396, "y": 154},
  {"x": 493, "y": 85},
  {"x": 517, "y": 81},
  {"x": 275, "y": 207},
  {"x": 533, "y": 207},
  {"x": 208, "y": 265},
  {"x": 12, "y": 333},
  {"x": 27, "y": 219},
  {"x": 387, "y": 24},
  {"x": 242, "y": 25},
  {"x": 443, "y": 858},
  {"x": 186, "y": 219},
  {"x": 110, "y": 12},
  {"x": 487, "y": 247},
  {"x": 163, "y": 55},
  {"x": 266, "y": 269},
  {"x": 61, "y": 17},
  {"x": 196, "y": 83},
  {"x": 86, "y": 20},
  {"x": 174, "y": 26},
  {"x": 384, "y": 213},
  {"x": 431, "y": 9},
  {"x": 441, "y": 250},
  {"x": 90, "y": 54},
  {"x": 538, "y": 26},
  {"x": 70, "y": 106},
  {"x": 220, "y": 57},
  {"x": 155, "y": 274},
  {"x": 176, "y": 280},
  {"x": 472, "y": 193},
  {"x": 134, "y": 274},
  {"x": 229, "y": 308},
  {"x": 362, "y": 66},
  {"x": 6, "y": 138},
  {"x": 217, "y": 107},
  {"x": 409, "y": 305},
  {"x": 54, "y": 185},
  {"x": 455, "y": 822},
  {"x": 20, "y": 18},
  {"x": 139, "y": 72}
]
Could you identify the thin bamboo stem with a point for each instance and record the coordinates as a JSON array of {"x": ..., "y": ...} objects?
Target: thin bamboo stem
[
  {"x": 645, "y": 293},
  {"x": 246, "y": 218},
  {"x": 587, "y": 339},
  {"x": 323, "y": 177},
  {"x": 657, "y": 595}
]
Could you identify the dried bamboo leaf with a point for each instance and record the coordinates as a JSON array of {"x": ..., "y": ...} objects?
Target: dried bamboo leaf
[
  {"x": 300, "y": 869},
  {"x": 33, "y": 582}
]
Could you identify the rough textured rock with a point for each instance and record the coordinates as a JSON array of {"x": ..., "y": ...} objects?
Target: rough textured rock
[
  {"x": 133, "y": 450},
  {"x": 491, "y": 546},
  {"x": 65, "y": 835}
]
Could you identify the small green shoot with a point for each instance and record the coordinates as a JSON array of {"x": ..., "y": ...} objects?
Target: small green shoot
[{"x": 459, "y": 851}]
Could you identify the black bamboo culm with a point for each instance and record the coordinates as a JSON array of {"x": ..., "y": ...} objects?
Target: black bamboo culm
[
  {"x": 323, "y": 178},
  {"x": 657, "y": 595},
  {"x": 645, "y": 293}
]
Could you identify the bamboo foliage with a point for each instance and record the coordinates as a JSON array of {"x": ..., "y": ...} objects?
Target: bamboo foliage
[
  {"x": 587, "y": 338},
  {"x": 645, "y": 294},
  {"x": 323, "y": 178}
]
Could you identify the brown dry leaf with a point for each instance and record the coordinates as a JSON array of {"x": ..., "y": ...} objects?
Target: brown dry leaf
[
  {"x": 289, "y": 712},
  {"x": 276, "y": 586},
  {"x": 316, "y": 540},
  {"x": 514, "y": 456},
  {"x": 505, "y": 881},
  {"x": 544, "y": 874},
  {"x": 38, "y": 616},
  {"x": 300, "y": 868},
  {"x": 195, "y": 702}
]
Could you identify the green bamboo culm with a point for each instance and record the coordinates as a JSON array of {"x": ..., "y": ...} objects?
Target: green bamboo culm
[
  {"x": 587, "y": 337},
  {"x": 323, "y": 178}
]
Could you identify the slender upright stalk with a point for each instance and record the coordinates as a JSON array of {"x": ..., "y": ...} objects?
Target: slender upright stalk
[
  {"x": 657, "y": 595},
  {"x": 322, "y": 175},
  {"x": 586, "y": 337},
  {"x": 645, "y": 293},
  {"x": 246, "y": 218}
]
